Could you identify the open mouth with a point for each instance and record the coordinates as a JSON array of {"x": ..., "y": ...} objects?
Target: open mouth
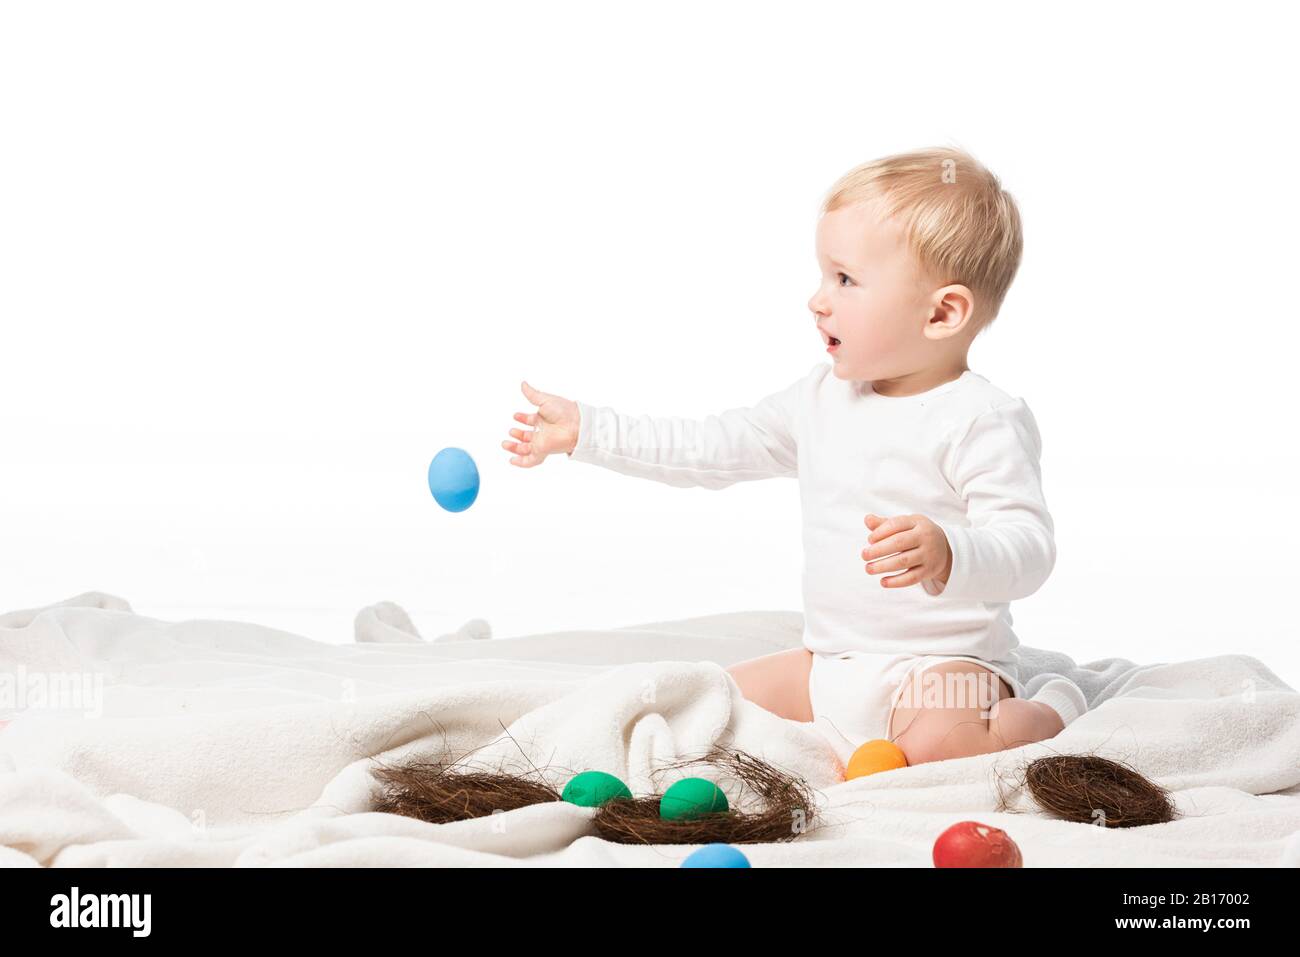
[{"x": 834, "y": 341}]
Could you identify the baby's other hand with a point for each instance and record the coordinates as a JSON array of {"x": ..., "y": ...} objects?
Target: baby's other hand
[
  {"x": 555, "y": 428},
  {"x": 911, "y": 544}
]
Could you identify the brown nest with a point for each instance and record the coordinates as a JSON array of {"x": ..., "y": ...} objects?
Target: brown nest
[
  {"x": 1087, "y": 789},
  {"x": 787, "y": 809},
  {"x": 440, "y": 792}
]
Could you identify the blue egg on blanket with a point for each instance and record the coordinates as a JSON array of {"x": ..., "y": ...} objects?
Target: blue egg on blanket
[
  {"x": 717, "y": 855},
  {"x": 453, "y": 479}
]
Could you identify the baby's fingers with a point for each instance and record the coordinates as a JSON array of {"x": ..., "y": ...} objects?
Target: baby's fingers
[
  {"x": 909, "y": 577},
  {"x": 527, "y": 418},
  {"x": 535, "y": 396}
]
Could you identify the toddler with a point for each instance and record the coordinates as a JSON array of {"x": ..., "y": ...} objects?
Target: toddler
[{"x": 920, "y": 483}]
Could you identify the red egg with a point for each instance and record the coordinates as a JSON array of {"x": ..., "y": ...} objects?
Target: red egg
[{"x": 972, "y": 844}]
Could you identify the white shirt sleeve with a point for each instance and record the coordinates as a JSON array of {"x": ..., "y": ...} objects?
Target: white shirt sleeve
[
  {"x": 738, "y": 445},
  {"x": 1009, "y": 548}
]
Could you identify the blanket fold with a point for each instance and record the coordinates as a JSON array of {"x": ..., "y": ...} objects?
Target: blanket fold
[{"x": 137, "y": 741}]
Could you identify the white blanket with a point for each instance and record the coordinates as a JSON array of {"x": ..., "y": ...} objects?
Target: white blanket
[{"x": 223, "y": 743}]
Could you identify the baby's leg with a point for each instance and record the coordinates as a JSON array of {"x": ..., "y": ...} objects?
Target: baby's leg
[
  {"x": 958, "y": 723},
  {"x": 777, "y": 682}
]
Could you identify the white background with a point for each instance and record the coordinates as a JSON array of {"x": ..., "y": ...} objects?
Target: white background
[{"x": 260, "y": 261}]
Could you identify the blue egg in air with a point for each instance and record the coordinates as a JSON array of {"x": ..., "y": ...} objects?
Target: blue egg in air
[
  {"x": 453, "y": 479},
  {"x": 717, "y": 855}
]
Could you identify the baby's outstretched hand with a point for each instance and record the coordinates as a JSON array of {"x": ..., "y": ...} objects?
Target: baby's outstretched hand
[
  {"x": 909, "y": 543},
  {"x": 555, "y": 428}
]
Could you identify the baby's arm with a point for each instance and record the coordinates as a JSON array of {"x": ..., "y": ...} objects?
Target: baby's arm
[
  {"x": 1009, "y": 548},
  {"x": 738, "y": 445}
]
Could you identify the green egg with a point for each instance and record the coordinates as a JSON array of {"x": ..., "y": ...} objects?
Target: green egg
[
  {"x": 691, "y": 797},
  {"x": 594, "y": 788}
]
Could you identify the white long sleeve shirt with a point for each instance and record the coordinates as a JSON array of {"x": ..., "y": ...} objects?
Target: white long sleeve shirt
[{"x": 964, "y": 454}]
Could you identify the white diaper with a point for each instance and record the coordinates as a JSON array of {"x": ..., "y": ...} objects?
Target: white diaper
[{"x": 853, "y": 694}]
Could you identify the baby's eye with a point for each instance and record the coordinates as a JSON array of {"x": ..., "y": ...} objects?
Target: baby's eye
[{"x": 842, "y": 276}]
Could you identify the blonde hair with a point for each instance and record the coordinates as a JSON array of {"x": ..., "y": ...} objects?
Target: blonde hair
[{"x": 961, "y": 225}]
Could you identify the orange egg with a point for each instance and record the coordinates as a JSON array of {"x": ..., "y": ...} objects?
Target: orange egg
[{"x": 873, "y": 756}]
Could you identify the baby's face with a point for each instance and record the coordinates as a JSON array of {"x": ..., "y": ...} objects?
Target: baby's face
[{"x": 873, "y": 295}]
